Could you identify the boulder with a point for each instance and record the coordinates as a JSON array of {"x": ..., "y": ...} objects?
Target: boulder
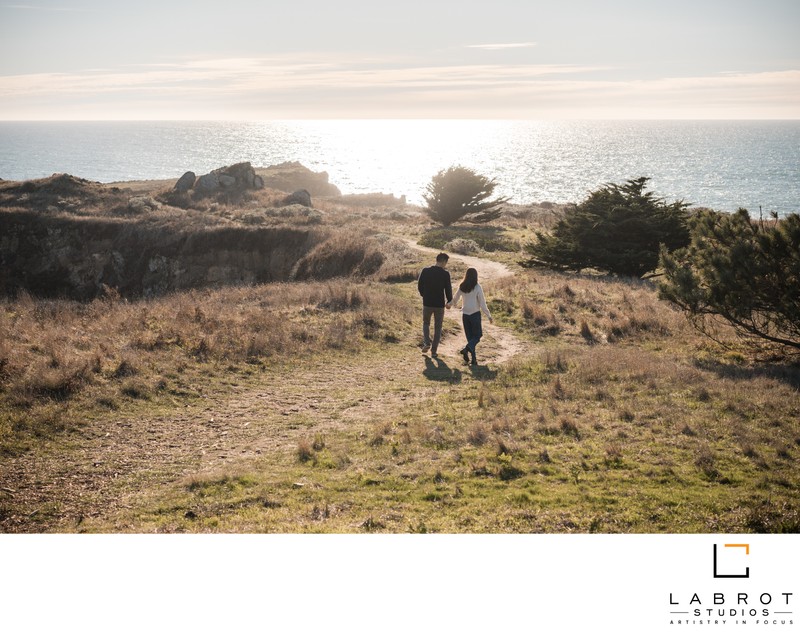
[
  {"x": 207, "y": 183},
  {"x": 185, "y": 182},
  {"x": 240, "y": 176},
  {"x": 301, "y": 196}
]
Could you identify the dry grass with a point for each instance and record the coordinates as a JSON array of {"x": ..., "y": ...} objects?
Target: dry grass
[
  {"x": 343, "y": 255},
  {"x": 622, "y": 418},
  {"x": 53, "y": 352},
  {"x": 592, "y": 309}
]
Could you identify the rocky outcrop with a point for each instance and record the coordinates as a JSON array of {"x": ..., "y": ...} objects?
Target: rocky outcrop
[
  {"x": 240, "y": 176},
  {"x": 291, "y": 176},
  {"x": 287, "y": 176}
]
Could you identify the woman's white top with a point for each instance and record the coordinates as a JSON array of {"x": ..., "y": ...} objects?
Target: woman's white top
[{"x": 474, "y": 301}]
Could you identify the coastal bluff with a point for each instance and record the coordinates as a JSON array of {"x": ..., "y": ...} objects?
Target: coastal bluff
[{"x": 66, "y": 237}]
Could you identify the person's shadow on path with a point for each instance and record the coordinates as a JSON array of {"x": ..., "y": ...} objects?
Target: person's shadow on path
[
  {"x": 437, "y": 370},
  {"x": 482, "y": 372}
]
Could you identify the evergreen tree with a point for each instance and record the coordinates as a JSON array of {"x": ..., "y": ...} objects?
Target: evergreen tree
[
  {"x": 617, "y": 229},
  {"x": 744, "y": 271},
  {"x": 461, "y": 194}
]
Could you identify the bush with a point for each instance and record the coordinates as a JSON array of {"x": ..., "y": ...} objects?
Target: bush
[
  {"x": 460, "y": 194},
  {"x": 342, "y": 255},
  {"x": 617, "y": 229},
  {"x": 746, "y": 272},
  {"x": 462, "y": 246},
  {"x": 488, "y": 238}
]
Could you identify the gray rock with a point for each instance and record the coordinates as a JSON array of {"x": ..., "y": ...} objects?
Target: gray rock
[
  {"x": 185, "y": 182},
  {"x": 207, "y": 183},
  {"x": 258, "y": 182},
  {"x": 227, "y": 181},
  {"x": 301, "y": 196}
]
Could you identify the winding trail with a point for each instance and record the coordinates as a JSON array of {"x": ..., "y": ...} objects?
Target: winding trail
[{"x": 499, "y": 344}]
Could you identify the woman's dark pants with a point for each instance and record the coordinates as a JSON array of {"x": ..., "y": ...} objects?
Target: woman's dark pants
[{"x": 472, "y": 330}]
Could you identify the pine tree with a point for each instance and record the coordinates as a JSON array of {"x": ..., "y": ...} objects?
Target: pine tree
[
  {"x": 745, "y": 271},
  {"x": 617, "y": 229},
  {"x": 461, "y": 194}
]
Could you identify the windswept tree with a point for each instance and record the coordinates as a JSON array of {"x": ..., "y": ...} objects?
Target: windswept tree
[
  {"x": 461, "y": 194},
  {"x": 746, "y": 272},
  {"x": 617, "y": 229}
]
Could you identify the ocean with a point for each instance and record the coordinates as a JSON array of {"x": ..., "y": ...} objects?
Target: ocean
[{"x": 723, "y": 165}]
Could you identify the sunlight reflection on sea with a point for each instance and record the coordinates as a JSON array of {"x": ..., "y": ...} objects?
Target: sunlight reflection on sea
[{"x": 720, "y": 164}]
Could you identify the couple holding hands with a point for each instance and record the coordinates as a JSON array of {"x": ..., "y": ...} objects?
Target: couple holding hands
[{"x": 437, "y": 295}]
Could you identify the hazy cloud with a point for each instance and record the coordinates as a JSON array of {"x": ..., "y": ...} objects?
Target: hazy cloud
[
  {"x": 305, "y": 85},
  {"x": 503, "y": 46}
]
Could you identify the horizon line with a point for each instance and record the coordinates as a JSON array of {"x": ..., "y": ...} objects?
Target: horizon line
[{"x": 390, "y": 118}]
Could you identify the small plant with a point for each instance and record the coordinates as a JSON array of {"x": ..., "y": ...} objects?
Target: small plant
[
  {"x": 570, "y": 428},
  {"x": 557, "y": 390},
  {"x": 706, "y": 462},
  {"x": 478, "y": 435},
  {"x": 613, "y": 455},
  {"x": 305, "y": 452}
]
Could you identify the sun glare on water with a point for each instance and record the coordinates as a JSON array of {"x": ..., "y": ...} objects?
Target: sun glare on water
[{"x": 400, "y": 157}]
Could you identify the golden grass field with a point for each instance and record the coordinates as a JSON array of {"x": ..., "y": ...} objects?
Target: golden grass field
[{"x": 307, "y": 406}]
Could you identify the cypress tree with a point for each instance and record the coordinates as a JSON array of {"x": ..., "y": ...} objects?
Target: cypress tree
[
  {"x": 744, "y": 271},
  {"x": 461, "y": 194},
  {"x": 617, "y": 229}
]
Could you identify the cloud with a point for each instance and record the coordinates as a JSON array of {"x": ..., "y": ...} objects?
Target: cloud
[
  {"x": 287, "y": 86},
  {"x": 503, "y": 46},
  {"x": 254, "y": 74}
]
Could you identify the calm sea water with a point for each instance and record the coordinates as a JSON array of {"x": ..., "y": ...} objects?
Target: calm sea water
[{"x": 720, "y": 164}]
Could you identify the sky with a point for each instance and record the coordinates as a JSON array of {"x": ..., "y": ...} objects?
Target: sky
[{"x": 321, "y": 59}]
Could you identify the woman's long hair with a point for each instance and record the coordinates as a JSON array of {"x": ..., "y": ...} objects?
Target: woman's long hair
[{"x": 470, "y": 281}]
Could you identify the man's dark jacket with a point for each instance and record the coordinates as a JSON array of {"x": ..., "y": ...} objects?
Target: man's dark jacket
[{"x": 434, "y": 285}]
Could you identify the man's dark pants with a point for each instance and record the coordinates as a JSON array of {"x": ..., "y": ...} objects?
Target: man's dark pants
[{"x": 438, "y": 320}]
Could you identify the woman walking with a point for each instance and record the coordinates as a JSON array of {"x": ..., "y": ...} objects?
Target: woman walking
[{"x": 474, "y": 302}]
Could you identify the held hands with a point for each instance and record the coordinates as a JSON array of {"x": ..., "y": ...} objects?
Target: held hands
[{"x": 448, "y": 305}]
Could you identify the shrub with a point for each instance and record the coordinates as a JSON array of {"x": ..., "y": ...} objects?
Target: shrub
[
  {"x": 617, "y": 229},
  {"x": 746, "y": 272},
  {"x": 462, "y": 247},
  {"x": 341, "y": 256},
  {"x": 488, "y": 238},
  {"x": 461, "y": 194}
]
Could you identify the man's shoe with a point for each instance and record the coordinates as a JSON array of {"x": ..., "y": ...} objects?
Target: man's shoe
[
  {"x": 425, "y": 348},
  {"x": 434, "y": 354},
  {"x": 474, "y": 361},
  {"x": 465, "y": 355}
]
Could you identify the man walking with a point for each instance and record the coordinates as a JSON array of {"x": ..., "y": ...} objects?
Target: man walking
[{"x": 437, "y": 292}]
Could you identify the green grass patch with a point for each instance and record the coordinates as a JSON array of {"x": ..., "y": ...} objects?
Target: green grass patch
[{"x": 488, "y": 238}]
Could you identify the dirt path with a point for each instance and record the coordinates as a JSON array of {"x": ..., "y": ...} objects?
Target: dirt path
[
  {"x": 106, "y": 468},
  {"x": 499, "y": 344}
]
